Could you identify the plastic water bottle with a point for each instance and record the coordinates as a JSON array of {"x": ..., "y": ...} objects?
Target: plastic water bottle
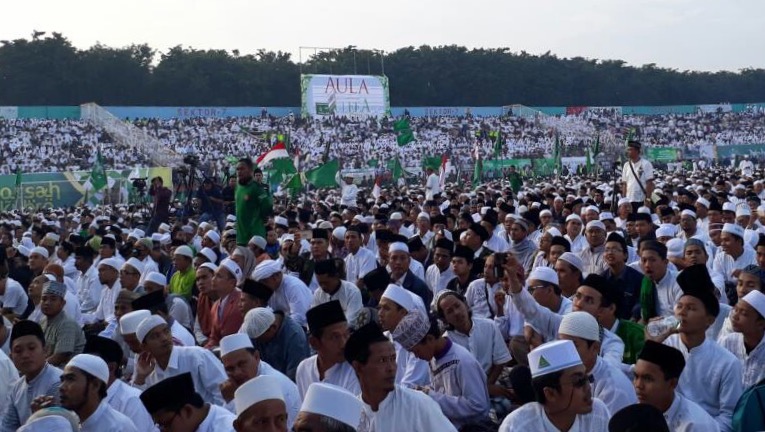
[{"x": 661, "y": 326}]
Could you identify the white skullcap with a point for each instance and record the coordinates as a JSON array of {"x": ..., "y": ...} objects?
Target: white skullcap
[
  {"x": 339, "y": 233},
  {"x": 258, "y": 241},
  {"x": 334, "y": 402},
  {"x": 265, "y": 270},
  {"x": 623, "y": 201},
  {"x": 606, "y": 216},
  {"x": 666, "y": 230},
  {"x": 395, "y": 216},
  {"x": 163, "y": 227},
  {"x": 325, "y": 225},
  {"x": 545, "y": 213},
  {"x": 157, "y": 278},
  {"x": 573, "y": 217},
  {"x": 555, "y": 232},
  {"x": 728, "y": 206},
  {"x": 580, "y": 324},
  {"x": 39, "y": 250},
  {"x": 573, "y": 259},
  {"x": 234, "y": 342},
  {"x": 644, "y": 209},
  {"x": 595, "y": 224},
  {"x": 553, "y": 357},
  {"x": 188, "y": 229},
  {"x": 398, "y": 247},
  {"x": 733, "y": 229},
  {"x": 147, "y": 325},
  {"x": 165, "y": 240},
  {"x": 256, "y": 390},
  {"x": 743, "y": 210},
  {"x": 135, "y": 263},
  {"x": 47, "y": 424},
  {"x": 91, "y": 364},
  {"x": 184, "y": 251},
  {"x": 130, "y": 321},
  {"x": 232, "y": 268},
  {"x": 210, "y": 266},
  {"x": 687, "y": 212},
  {"x": 593, "y": 208},
  {"x": 111, "y": 262},
  {"x": 423, "y": 215},
  {"x": 399, "y": 295},
  {"x": 675, "y": 248},
  {"x": 209, "y": 254},
  {"x": 214, "y": 236},
  {"x": 205, "y": 225},
  {"x": 545, "y": 274},
  {"x": 257, "y": 321},
  {"x": 286, "y": 238},
  {"x": 756, "y": 299},
  {"x": 230, "y": 218},
  {"x": 703, "y": 201},
  {"x": 137, "y": 233},
  {"x": 281, "y": 220}
]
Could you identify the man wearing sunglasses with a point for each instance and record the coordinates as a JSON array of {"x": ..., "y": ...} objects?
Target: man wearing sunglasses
[{"x": 563, "y": 393}]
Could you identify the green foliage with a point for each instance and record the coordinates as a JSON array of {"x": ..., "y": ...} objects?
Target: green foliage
[{"x": 48, "y": 70}]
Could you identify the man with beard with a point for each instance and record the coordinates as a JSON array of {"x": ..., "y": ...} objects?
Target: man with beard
[
  {"x": 252, "y": 204},
  {"x": 83, "y": 390}
]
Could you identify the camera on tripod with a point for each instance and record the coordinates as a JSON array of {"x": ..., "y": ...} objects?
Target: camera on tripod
[
  {"x": 191, "y": 159},
  {"x": 139, "y": 184}
]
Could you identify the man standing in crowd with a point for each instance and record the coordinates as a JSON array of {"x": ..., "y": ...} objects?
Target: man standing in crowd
[
  {"x": 253, "y": 204},
  {"x": 161, "y": 199}
]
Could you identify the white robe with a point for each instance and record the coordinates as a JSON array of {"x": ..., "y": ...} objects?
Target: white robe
[
  {"x": 293, "y": 298},
  {"x": 217, "y": 420},
  {"x": 532, "y": 417},
  {"x": 612, "y": 386},
  {"x": 359, "y": 264},
  {"x": 410, "y": 371},
  {"x": 347, "y": 294},
  {"x": 753, "y": 364},
  {"x": 485, "y": 342},
  {"x": 126, "y": 400},
  {"x": 687, "y": 416},
  {"x": 404, "y": 410},
  {"x": 107, "y": 419},
  {"x": 341, "y": 374}
]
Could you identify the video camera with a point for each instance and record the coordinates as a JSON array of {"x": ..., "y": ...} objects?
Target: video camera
[
  {"x": 139, "y": 183},
  {"x": 191, "y": 159}
]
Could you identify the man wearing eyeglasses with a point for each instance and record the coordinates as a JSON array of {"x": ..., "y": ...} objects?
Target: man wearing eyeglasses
[{"x": 563, "y": 393}]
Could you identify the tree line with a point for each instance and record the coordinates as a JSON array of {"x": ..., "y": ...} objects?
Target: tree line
[{"x": 49, "y": 70}]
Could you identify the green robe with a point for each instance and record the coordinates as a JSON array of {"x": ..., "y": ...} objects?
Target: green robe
[{"x": 252, "y": 204}]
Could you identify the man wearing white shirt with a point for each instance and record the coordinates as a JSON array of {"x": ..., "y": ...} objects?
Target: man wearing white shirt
[
  {"x": 291, "y": 295},
  {"x": 359, "y": 260},
  {"x": 331, "y": 287},
  {"x": 748, "y": 341},
  {"x": 657, "y": 372},
  {"x": 637, "y": 176},
  {"x": 349, "y": 190},
  {"x": 12, "y": 296},
  {"x": 440, "y": 272},
  {"x": 88, "y": 285},
  {"x": 328, "y": 334},
  {"x": 108, "y": 275},
  {"x": 734, "y": 255},
  {"x": 432, "y": 184}
]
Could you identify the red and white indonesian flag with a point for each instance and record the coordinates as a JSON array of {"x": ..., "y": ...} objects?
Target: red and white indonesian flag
[
  {"x": 376, "y": 189},
  {"x": 278, "y": 151},
  {"x": 446, "y": 166}
]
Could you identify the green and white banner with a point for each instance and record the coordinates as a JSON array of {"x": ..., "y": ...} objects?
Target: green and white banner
[{"x": 344, "y": 95}]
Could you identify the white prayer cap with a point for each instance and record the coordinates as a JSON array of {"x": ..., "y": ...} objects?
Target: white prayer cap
[
  {"x": 545, "y": 274},
  {"x": 163, "y": 227},
  {"x": 623, "y": 201},
  {"x": 688, "y": 212},
  {"x": 257, "y": 321},
  {"x": 703, "y": 201},
  {"x": 339, "y": 233},
  {"x": 54, "y": 421},
  {"x": 281, "y": 220},
  {"x": 111, "y": 262},
  {"x": 595, "y": 224},
  {"x": 606, "y": 216},
  {"x": 729, "y": 206},
  {"x": 214, "y": 236},
  {"x": 573, "y": 217},
  {"x": 138, "y": 233},
  {"x": 39, "y": 250},
  {"x": 399, "y": 295},
  {"x": 743, "y": 210},
  {"x": 593, "y": 208},
  {"x": 234, "y": 342},
  {"x": 756, "y": 299},
  {"x": 644, "y": 209},
  {"x": 205, "y": 225},
  {"x": 545, "y": 213},
  {"x": 135, "y": 263},
  {"x": 232, "y": 268},
  {"x": 332, "y": 401},
  {"x": 580, "y": 324},
  {"x": 230, "y": 218},
  {"x": 258, "y": 389},
  {"x": 574, "y": 260},
  {"x": 555, "y": 232},
  {"x": 184, "y": 251},
  {"x": 210, "y": 266},
  {"x": 733, "y": 229},
  {"x": 209, "y": 254},
  {"x": 157, "y": 278},
  {"x": 423, "y": 215},
  {"x": 476, "y": 217},
  {"x": 286, "y": 238},
  {"x": 266, "y": 269},
  {"x": 165, "y": 240},
  {"x": 666, "y": 230},
  {"x": 147, "y": 325},
  {"x": 395, "y": 216},
  {"x": 398, "y": 247},
  {"x": 129, "y": 322},
  {"x": 553, "y": 357},
  {"x": 675, "y": 248},
  {"x": 188, "y": 229},
  {"x": 91, "y": 364}
]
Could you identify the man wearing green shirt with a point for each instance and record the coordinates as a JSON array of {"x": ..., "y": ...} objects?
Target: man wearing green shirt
[
  {"x": 252, "y": 204},
  {"x": 182, "y": 282},
  {"x": 516, "y": 181}
]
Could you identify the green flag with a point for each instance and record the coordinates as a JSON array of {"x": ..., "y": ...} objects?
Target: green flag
[
  {"x": 323, "y": 175},
  {"x": 294, "y": 184},
  {"x": 283, "y": 166},
  {"x": 404, "y": 134},
  {"x": 477, "y": 172},
  {"x": 98, "y": 174},
  {"x": 596, "y": 152},
  {"x": 588, "y": 161},
  {"x": 431, "y": 162},
  {"x": 397, "y": 171},
  {"x": 18, "y": 177},
  {"x": 498, "y": 144},
  {"x": 373, "y": 163}
]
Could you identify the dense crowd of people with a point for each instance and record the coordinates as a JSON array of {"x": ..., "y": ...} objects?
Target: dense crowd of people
[
  {"x": 507, "y": 305},
  {"x": 30, "y": 144}
]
